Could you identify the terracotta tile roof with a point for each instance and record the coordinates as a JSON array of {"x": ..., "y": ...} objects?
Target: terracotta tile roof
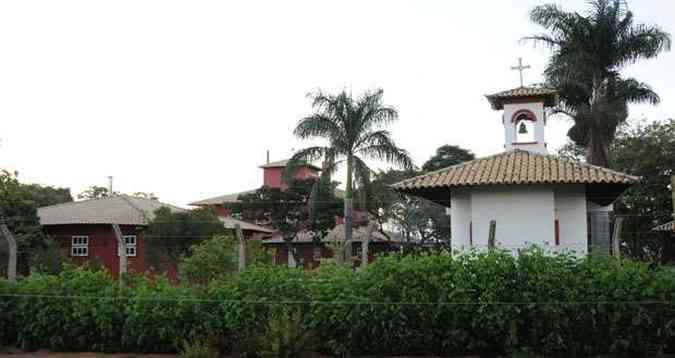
[
  {"x": 336, "y": 234},
  {"x": 118, "y": 209},
  {"x": 497, "y": 100},
  {"x": 669, "y": 226},
  {"x": 515, "y": 167}
]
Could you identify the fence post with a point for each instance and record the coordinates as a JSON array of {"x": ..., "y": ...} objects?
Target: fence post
[
  {"x": 365, "y": 243},
  {"x": 242, "y": 247},
  {"x": 11, "y": 243},
  {"x": 492, "y": 234},
  {"x": 616, "y": 237},
  {"x": 122, "y": 251},
  {"x": 672, "y": 190}
]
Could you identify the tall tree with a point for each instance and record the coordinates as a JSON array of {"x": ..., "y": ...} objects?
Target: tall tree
[
  {"x": 354, "y": 130},
  {"x": 171, "y": 234},
  {"x": 589, "y": 51},
  {"x": 646, "y": 150},
  {"x": 446, "y": 156},
  {"x": 306, "y": 204},
  {"x": 94, "y": 192}
]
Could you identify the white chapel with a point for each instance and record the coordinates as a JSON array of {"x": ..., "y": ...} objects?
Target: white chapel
[{"x": 524, "y": 196}]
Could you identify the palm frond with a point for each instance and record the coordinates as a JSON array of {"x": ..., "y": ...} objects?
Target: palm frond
[
  {"x": 303, "y": 156},
  {"x": 389, "y": 153},
  {"x": 316, "y": 126}
]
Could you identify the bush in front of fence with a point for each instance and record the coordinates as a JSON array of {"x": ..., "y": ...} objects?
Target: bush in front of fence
[{"x": 434, "y": 304}]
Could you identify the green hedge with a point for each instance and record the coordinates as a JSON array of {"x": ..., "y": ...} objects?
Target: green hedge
[{"x": 487, "y": 303}]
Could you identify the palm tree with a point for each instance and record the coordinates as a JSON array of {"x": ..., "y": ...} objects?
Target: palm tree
[
  {"x": 589, "y": 51},
  {"x": 354, "y": 130}
]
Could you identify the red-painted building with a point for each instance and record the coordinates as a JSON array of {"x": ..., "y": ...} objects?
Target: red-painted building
[
  {"x": 84, "y": 231},
  {"x": 308, "y": 251}
]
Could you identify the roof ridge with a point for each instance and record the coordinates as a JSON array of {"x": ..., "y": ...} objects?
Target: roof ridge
[
  {"x": 74, "y": 202},
  {"x": 220, "y": 196},
  {"x": 450, "y": 167},
  {"x": 133, "y": 206}
]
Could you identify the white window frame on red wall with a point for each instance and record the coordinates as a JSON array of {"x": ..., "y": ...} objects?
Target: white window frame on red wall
[
  {"x": 79, "y": 245},
  {"x": 131, "y": 242}
]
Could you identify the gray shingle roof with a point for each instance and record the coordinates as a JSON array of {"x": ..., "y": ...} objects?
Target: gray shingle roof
[
  {"x": 221, "y": 199},
  {"x": 118, "y": 209},
  {"x": 231, "y": 222}
]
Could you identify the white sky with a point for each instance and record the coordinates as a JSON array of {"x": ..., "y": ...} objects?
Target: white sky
[{"x": 183, "y": 98}]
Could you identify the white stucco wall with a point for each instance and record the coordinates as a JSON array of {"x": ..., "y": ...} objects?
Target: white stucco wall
[
  {"x": 524, "y": 215},
  {"x": 460, "y": 219},
  {"x": 570, "y": 211}
]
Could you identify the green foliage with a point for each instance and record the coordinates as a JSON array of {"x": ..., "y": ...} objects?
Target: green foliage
[
  {"x": 210, "y": 259},
  {"x": 589, "y": 52},
  {"x": 94, "y": 192},
  {"x": 308, "y": 204},
  {"x": 18, "y": 209},
  {"x": 646, "y": 150},
  {"x": 198, "y": 349},
  {"x": 488, "y": 303},
  {"x": 171, "y": 234},
  {"x": 446, "y": 156}
]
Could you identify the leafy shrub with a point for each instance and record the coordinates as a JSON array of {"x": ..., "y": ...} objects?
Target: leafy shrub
[
  {"x": 210, "y": 259},
  {"x": 427, "y": 304}
]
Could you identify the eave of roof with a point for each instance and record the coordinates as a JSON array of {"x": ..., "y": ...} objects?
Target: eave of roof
[
  {"x": 518, "y": 167},
  {"x": 284, "y": 163},
  {"x": 221, "y": 199},
  {"x": 548, "y": 95}
]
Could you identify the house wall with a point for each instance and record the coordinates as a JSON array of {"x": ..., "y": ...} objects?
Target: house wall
[
  {"x": 570, "y": 211},
  {"x": 103, "y": 246},
  {"x": 524, "y": 216},
  {"x": 272, "y": 177},
  {"x": 460, "y": 214}
]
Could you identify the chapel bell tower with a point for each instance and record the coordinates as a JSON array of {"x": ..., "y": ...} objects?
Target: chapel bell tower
[{"x": 524, "y": 116}]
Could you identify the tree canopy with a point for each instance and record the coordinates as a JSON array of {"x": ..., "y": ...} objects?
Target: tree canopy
[
  {"x": 171, "y": 234},
  {"x": 307, "y": 204},
  {"x": 589, "y": 52},
  {"x": 446, "y": 156},
  {"x": 354, "y": 129},
  {"x": 646, "y": 150}
]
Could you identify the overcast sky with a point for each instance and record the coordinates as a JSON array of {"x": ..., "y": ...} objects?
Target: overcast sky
[{"x": 183, "y": 98}]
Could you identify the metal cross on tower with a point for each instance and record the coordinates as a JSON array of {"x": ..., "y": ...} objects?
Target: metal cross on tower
[{"x": 520, "y": 69}]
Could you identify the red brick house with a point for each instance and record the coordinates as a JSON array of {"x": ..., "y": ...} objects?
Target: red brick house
[{"x": 83, "y": 229}]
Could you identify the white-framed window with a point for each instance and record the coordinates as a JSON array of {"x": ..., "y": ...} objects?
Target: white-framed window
[
  {"x": 130, "y": 241},
  {"x": 79, "y": 245},
  {"x": 317, "y": 254}
]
